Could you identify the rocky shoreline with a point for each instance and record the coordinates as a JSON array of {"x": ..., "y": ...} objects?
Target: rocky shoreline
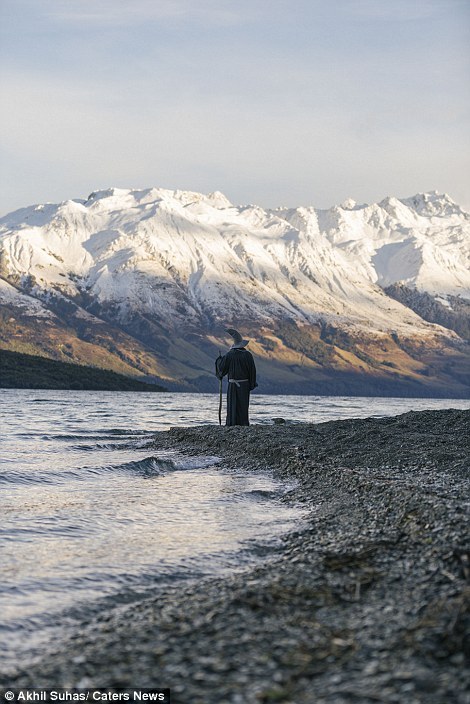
[{"x": 368, "y": 602}]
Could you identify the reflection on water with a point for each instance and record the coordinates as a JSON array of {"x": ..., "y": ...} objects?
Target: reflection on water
[{"x": 91, "y": 537}]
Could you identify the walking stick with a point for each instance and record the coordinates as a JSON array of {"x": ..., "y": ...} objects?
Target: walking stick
[
  {"x": 220, "y": 401},
  {"x": 220, "y": 398}
]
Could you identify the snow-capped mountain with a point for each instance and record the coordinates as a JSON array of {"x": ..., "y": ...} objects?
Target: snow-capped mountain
[{"x": 164, "y": 265}]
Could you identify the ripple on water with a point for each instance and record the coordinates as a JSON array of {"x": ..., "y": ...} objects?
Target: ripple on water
[
  {"x": 108, "y": 537},
  {"x": 150, "y": 466}
]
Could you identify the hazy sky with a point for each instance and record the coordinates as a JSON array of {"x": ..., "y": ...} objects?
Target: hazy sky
[{"x": 275, "y": 102}]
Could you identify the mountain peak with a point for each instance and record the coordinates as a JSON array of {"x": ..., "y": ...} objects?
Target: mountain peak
[
  {"x": 348, "y": 204},
  {"x": 107, "y": 193},
  {"x": 432, "y": 204},
  {"x": 219, "y": 200}
]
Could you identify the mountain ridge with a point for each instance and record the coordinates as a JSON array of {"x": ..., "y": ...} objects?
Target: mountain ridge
[{"x": 171, "y": 270}]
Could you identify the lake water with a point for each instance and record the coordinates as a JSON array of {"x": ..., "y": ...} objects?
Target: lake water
[{"x": 90, "y": 512}]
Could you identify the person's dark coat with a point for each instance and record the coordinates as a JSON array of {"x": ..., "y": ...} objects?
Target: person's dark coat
[{"x": 238, "y": 365}]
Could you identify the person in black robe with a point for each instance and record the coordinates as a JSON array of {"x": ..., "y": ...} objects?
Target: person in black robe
[{"x": 239, "y": 366}]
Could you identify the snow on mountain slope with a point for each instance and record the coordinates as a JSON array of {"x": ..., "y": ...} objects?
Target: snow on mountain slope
[
  {"x": 191, "y": 259},
  {"x": 423, "y": 242},
  {"x": 28, "y": 305}
]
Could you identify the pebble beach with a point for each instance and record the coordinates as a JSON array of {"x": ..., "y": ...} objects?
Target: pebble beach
[{"x": 366, "y": 602}]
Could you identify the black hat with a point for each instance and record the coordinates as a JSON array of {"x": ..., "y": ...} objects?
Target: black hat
[{"x": 239, "y": 342}]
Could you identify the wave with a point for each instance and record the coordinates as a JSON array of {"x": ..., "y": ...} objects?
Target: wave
[
  {"x": 140, "y": 444},
  {"x": 121, "y": 431},
  {"x": 17, "y": 477},
  {"x": 148, "y": 466},
  {"x": 103, "y": 433},
  {"x": 152, "y": 466},
  {"x": 261, "y": 494},
  {"x": 139, "y": 436}
]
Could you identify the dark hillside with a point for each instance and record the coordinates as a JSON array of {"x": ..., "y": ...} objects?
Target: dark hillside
[{"x": 24, "y": 371}]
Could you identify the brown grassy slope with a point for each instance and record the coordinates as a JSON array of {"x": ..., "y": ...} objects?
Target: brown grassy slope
[{"x": 291, "y": 358}]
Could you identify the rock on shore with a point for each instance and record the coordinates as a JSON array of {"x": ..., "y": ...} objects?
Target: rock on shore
[{"x": 368, "y": 602}]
